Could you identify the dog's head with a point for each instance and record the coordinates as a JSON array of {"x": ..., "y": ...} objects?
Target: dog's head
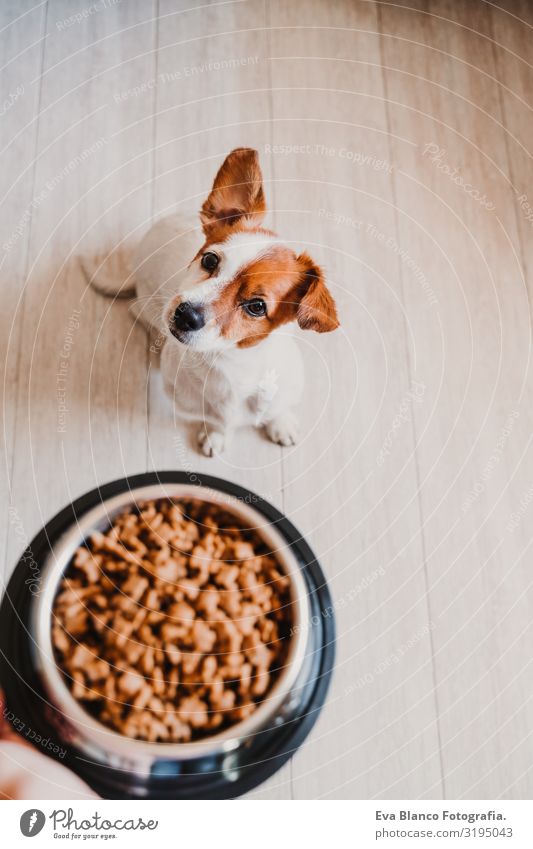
[{"x": 245, "y": 282}]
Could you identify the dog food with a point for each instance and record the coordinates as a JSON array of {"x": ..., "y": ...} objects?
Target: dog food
[{"x": 174, "y": 623}]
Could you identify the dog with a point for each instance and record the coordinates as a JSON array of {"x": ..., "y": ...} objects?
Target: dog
[{"x": 221, "y": 305}]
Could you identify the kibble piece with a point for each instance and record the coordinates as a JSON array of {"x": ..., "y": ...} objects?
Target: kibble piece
[
  {"x": 169, "y": 571},
  {"x": 135, "y": 586},
  {"x": 190, "y": 588},
  {"x": 81, "y": 656},
  {"x": 183, "y": 612},
  {"x": 193, "y": 711},
  {"x": 130, "y": 683},
  {"x": 60, "y": 639},
  {"x": 190, "y": 662},
  {"x": 204, "y": 638},
  {"x": 88, "y": 563},
  {"x": 209, "y": 668},
  {"x": 173, "y": 654},
  {"x": 227, "y": 576}
]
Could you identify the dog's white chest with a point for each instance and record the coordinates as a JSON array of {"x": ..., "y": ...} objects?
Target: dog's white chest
[{"x": 244, "y": 387}]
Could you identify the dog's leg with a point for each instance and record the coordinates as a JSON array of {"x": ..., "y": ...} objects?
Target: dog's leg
[
  {"x": 212, "y": 441},
  {"x": 219, "y": 406},
  {"x": 283, "y": 428}
]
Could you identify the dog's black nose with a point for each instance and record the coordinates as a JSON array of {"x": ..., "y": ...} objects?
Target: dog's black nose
[{"x": 188, "y": 317}]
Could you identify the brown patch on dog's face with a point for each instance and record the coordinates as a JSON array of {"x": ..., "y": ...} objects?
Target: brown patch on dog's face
[
  {"x": 221, "y": 233},
  {"x": 273, "y": 290}
]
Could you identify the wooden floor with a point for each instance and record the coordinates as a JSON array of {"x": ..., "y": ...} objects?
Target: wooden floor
[{"x": 395, "y": 140}]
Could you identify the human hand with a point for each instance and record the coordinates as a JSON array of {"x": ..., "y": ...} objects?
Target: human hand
[{"x": 26, "y": 773}]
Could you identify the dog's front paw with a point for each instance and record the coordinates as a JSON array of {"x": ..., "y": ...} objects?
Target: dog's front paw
[
  {"x": 284, "y": 430},
  {"x": 211, "y": 442}
]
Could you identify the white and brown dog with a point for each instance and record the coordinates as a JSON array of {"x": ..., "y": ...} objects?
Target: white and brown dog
[{"x": 227, "y": 358}]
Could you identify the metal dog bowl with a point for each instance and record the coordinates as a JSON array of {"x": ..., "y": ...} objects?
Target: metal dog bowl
[{"x": 223, "y": 765}]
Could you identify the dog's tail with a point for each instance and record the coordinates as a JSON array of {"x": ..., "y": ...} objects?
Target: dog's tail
[{"x": 110, "y": 273}]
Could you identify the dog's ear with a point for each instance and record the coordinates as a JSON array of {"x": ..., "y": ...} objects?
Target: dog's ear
[
  {"x": 237, "y": 193},
  {"x": 316, "y": 310}
]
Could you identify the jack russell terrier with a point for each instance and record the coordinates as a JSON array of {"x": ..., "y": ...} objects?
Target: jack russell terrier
[{"x": 220, "y": 309}]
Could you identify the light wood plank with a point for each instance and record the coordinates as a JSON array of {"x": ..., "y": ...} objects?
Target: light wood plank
[
  {"x": 22, "y": 39},
  {"x": 359, "y": 508},
  {"x": 211, "y": 98},
  {"x": 512, "y": 35},
  {"x": 91, "y": 186},
  {"x": 473, "y": 350}
]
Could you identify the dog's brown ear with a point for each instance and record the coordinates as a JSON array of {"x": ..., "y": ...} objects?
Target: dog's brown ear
[
  {"x": 237, "y": 192},
  {"x": 316, "y": 310}
]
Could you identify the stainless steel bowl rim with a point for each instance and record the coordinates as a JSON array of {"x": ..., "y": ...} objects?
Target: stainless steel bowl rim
[{"x": 54, "y": 567}]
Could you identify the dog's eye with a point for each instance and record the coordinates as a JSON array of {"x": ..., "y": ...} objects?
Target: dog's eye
[
  {"x": 255, "y": 308},
  {"x": 210, "y": 261}
]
